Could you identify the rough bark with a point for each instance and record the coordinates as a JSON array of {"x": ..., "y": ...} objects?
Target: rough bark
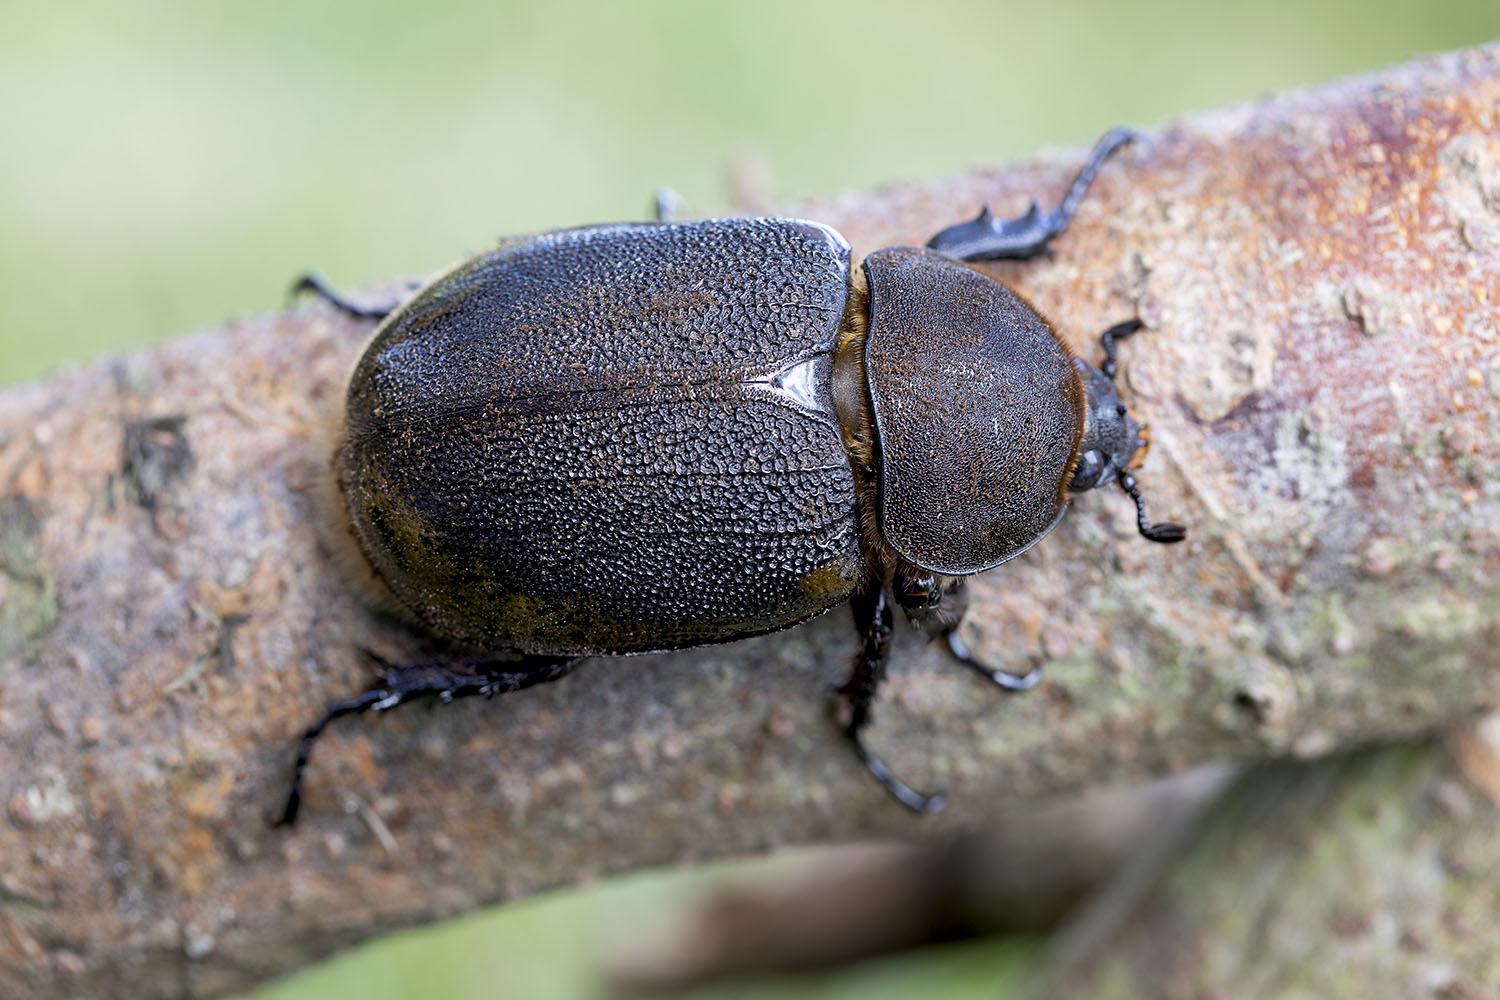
[{"x": 1319, "y": 275}]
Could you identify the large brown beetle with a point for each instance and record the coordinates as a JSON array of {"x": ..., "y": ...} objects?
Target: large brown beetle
[{"x": 631, "y": 438}]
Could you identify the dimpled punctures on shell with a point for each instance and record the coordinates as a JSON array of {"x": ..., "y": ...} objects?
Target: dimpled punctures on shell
[{"x": 612, "y": 439}]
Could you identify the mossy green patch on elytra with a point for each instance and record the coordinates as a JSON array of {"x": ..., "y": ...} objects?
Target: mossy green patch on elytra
[{"x": 826, "y": 581}]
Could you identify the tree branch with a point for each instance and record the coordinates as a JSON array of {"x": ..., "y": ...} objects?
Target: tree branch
[
  {"x": 1319, "y": 276},
  {"x": 1370, "y": 873}
]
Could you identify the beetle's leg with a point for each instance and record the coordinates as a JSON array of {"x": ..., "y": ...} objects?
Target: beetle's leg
[
  {"x": 988, "y": 238},
  {"x": 872, "y": 616},
  {"x": 666, "y": 204},
  {"x": 314, "y": 282},
  {"x": 1001, "y": 678},
  {"x": 1109, "y": 338},
  {"x": 936, "y": 608},
  {"x": 450, "y": 680}
]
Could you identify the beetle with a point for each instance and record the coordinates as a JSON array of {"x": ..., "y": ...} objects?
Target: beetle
[{"x": 630, "y": 438}]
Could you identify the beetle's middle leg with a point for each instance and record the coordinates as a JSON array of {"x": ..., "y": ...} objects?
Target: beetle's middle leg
[
  {"x": 447, "y": 680},
  {"x": 872, "y": 616},
  {"x": 936, "y": 608},
  {"x": 988, "y": 238}
]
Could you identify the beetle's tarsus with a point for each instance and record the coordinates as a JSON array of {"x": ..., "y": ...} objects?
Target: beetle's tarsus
[
  {"x": 315, "y": 283},
  {"x": 400, "y": 684},
  {"x": 988, "y": 238},
  {"x": 903, "y": 793},
  {"x": 1112, "y": 140},
  {"x": 1000, "y": 678},
  {"x": 363, "y": 703},
  {"x": 872, "y": 616},
  {"x": 1110, "y": 338}
]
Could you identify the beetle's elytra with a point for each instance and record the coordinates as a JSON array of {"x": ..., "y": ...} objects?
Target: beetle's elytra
[{"x": 629, "y": 438}]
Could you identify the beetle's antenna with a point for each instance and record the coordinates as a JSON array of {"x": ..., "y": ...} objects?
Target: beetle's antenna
[
  {"x": 1166, "y": 533},
  {"x": 1109, "y": 337}
]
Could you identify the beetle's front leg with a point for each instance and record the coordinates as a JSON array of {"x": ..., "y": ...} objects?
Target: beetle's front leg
[
  {"x": 988, "y": 238},
  {"x": 936, "y": 606},
  {"x": 872, "y": 617}
]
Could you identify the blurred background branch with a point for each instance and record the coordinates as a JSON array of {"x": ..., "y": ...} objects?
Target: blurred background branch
[{"x": 1370, "y": 873}]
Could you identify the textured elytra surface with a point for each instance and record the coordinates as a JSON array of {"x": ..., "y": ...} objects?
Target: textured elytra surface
[
  {"x": 577, "y": 443},
  {"x": 978, "y": 412}
]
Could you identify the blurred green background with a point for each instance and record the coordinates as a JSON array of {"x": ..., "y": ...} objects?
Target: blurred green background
[{"x": 168, "y": 165}]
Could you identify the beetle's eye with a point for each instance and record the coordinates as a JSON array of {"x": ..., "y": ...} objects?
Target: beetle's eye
[{"x": 1090, "y": 468}]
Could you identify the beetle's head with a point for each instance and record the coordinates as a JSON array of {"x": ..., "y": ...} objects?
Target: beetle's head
[{"x": 1111, "y": 438}]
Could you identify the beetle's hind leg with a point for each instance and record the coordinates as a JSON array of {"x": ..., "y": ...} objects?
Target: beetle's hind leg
[
  {"x": 872, "y": 616},
  {"x": 315, "y": 283},
  {"x": 988, "y": 238},
  {"x": 447, "y": 680}
]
